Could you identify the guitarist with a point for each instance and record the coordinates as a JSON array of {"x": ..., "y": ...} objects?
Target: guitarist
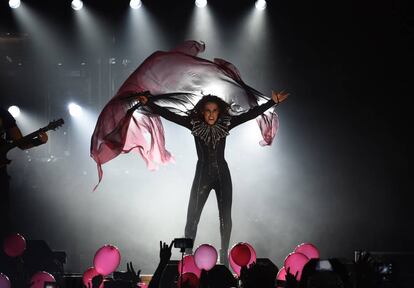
[{"x": 9, "y": 131}]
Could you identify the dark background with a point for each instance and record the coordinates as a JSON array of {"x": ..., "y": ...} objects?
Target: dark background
[{"x": 338, "y": 174}]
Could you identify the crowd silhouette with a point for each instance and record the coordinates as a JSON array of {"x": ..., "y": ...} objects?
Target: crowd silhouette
[{"x": 361, "y": 272}]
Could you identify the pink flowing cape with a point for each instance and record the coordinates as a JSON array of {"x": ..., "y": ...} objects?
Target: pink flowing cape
[{"x": 180, "y": 79}]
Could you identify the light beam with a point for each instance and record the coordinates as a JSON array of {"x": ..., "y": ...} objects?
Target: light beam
[{"x": 14, "y": 111}]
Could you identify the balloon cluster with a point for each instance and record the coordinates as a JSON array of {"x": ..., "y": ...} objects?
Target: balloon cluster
[
  {"x": 106, "y": 261},
  {"x": 296, "y": 260},
  {"x": 14, "y": 246}
]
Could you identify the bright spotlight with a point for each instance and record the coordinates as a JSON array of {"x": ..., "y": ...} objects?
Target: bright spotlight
[
  {"x": 14, "y": 4},
  {"x": 74, "y": 110},
  {"x": 77, "y": 4},
  {"x": 260, "y": 4},
  {"x": 135, "y": 4},
  {"x": 201, "y": 3},
  {"x": 14, "y": 111}
]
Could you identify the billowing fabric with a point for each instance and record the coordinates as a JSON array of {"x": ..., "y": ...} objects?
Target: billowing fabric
[{"x": 177, "y": 80}]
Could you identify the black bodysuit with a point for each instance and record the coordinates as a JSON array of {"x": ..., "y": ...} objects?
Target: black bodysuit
[{"x": 212, "y": 171}]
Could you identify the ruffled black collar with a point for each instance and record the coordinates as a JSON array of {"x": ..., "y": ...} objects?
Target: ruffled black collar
[{"x": 211, "y": 134}]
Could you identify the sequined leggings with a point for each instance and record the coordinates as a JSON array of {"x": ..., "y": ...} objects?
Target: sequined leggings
[{"x": 210, "y": 176}]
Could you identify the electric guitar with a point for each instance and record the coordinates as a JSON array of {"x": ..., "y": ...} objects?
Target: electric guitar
[{"x": 5, "y": 146}]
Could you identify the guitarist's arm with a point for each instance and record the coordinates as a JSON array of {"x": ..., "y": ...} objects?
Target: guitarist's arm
[{"x": 15, "y": 134}]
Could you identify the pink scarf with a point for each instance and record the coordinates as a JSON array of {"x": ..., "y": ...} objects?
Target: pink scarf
[{"x": 118, "y": 130}]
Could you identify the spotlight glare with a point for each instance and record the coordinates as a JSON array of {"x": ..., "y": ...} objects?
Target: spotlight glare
[
  {"x": 77, "y": 4},
  {"x": 201, "y": 3},
  {"x": 14, "y": 111},
  {"x": 261, "y": 4},
  {"x": 74, "y": 110},
  {"x": 14, "y": 4},
  {"x": 135, "y": 4}
]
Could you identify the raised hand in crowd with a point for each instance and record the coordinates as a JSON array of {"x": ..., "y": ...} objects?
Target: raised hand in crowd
[
  {"x": 165, "y": 256},
  {"x": 291, "y": 280},
  {"x": 134, "y": 277},
  {"x": 165, "y": 252}
]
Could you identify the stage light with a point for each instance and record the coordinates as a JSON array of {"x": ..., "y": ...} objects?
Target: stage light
[
  {"x": 14, "y": 4},
  {"x": 260, "y": 4},
  {"x": 14, "y": 111},
  {"x": 135, "y": 4},
  {"x": 201, "y": 3},
  {"x": 74, "y": 110},
  {"x": 77, "y": 4}
]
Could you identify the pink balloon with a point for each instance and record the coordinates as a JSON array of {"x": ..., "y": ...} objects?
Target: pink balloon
[
  {"x": 281, "y": 275},
  {"x": 142, "y": 285},
  {"x": 4, "y": 281},
  {"x": 189, "y": 280},
  {"x": 205, "y": 257},
  {"x": 237, "y": 268},
  {"x": 309, "y": 250},
  {"x": 88, "y": 276},
  {"x": 107, "y": 259},
  {"x": 240, "y": 253},
  {"x": 296, "y": 261},
  {"x": 189, "y": 265},
  {"x": 38, "y": 280},
  {"x": 14, "y": 245},
  {"x": 253, "y": 256}
]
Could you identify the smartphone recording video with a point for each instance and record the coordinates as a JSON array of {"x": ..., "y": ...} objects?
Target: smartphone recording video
[{"x": 183, "y": 243}]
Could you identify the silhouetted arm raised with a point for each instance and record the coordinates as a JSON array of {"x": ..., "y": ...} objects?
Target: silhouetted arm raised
[
  {"x": 251, "y": 114},
  {"x": 163, "y": 112},
  {"x": 165, "y": 256},
  {"x": 167, "y": 114},
  {"x": 277, "y": 97}
]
